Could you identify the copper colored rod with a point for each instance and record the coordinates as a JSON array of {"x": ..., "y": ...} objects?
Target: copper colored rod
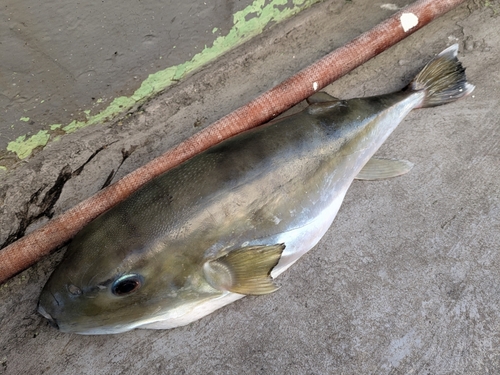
[{"x": 28, "y": 250}]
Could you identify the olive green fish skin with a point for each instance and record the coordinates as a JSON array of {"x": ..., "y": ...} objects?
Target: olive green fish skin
[
  {"x": 232, "y": 218},
  {"x": 255, "y": 188}
]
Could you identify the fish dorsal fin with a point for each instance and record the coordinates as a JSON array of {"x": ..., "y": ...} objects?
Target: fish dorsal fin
[
  {"x": 378, "y": 169},
  {"x": 321, "y": 97},
  {"x": 321, "y": 102},
  {"x": 246, "y": 270},
  {"x": 326, "y": 107}
]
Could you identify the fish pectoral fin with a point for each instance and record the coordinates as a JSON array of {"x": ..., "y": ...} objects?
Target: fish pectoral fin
[
  {"x": 321, "y": 97},
  {"x": 378, "y": 169},
  {"x": 246, "y": 270}
]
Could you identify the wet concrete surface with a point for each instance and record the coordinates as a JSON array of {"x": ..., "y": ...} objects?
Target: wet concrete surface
[
  {"x": 406, "y": 279},
  {"x": 59, "y": 60}
]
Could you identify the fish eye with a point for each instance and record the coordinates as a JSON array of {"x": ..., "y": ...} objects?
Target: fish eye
[{"x": 126, "y": 284}]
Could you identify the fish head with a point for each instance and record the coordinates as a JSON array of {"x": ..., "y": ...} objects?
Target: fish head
[{"x": 111, "y": 282}]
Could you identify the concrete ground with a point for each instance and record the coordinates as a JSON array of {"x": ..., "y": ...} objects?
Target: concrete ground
[
  {"x": 63, "y": 65},
  {"x": 406, "y": 279}
]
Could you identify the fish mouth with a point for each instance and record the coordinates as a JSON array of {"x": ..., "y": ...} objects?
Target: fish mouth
[
  {"x": 90, "y": 331},
  {"x": 47, "y": 316}
]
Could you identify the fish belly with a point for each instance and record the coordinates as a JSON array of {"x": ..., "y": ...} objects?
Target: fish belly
[{"x": 298, "y": 241}]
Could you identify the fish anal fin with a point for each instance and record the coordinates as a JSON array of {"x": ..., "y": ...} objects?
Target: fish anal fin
[
  {"x": 379, "y": 168},
  {"x": 246, "y": 270}
]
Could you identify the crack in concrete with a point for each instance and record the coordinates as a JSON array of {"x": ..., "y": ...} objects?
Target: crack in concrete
[
  {"x": 34, "y": 211},
  {"x": 112, "y": 174}
]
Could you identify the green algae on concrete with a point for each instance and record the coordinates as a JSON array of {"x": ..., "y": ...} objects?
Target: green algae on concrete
[
  {"x": 23, "y": 147},
  {"x": 243, "y": 29},
  {"x": 117, "y": 106},
  {"x": 248, "y": 23}
]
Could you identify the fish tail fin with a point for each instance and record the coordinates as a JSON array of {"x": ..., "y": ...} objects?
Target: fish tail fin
[{"x": 443, "y": 79}]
